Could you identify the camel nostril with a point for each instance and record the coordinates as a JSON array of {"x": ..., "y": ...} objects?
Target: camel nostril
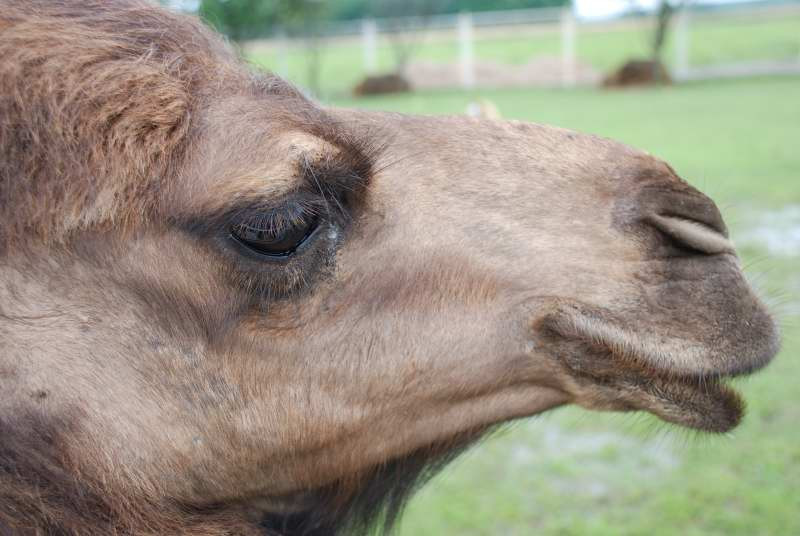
[
  {"x": 685, "y": 218},
  {"x": 692, "y": 234}
]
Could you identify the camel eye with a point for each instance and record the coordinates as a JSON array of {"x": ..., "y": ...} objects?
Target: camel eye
[{"x": 274, "y": 237}]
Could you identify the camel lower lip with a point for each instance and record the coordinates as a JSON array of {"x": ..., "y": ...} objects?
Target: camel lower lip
[
  {"x": 703, "y": 403},
  {"x": 707, "y": 404}
]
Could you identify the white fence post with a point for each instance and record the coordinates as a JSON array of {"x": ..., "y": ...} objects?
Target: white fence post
[
  {"x": 682, "y": 44},
  {"x": 466, "y": 52},
  {"x": 568, "y": 38},
  {"x": 369, "y": 42}
]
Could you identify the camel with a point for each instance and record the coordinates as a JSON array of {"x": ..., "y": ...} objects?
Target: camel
[{"x": 227, "y": 309}]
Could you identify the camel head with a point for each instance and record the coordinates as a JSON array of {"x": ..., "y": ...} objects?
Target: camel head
[{"x": 227, "y": 309}]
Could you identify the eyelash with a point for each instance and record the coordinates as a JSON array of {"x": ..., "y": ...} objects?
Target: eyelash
[
  {"x": 281, "y": 219},
  {"x": 277, "y": 235}
]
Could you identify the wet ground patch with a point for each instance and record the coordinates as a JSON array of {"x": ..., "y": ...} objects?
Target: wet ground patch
[{"x": 775, "y": 231}]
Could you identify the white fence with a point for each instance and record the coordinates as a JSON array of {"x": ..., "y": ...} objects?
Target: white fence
[
  {"x": 464, "y": 27},
  {"x": 569, "y": 42}
]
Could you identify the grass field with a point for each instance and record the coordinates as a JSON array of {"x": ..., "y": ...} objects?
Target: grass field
[
  {"x": 714, "y": 40},
  {"x": 572, "y": 472}
]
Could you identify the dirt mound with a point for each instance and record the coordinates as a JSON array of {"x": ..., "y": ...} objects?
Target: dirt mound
[
  {"x": 638, "y": 73},
  {"x": 542, "y": 71},
  {"x": 382, "y": 84}
]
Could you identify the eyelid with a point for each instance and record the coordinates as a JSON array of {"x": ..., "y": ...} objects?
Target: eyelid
[
  {"x": 288, "y": 207},
  {"x": 277, "y": 219}
]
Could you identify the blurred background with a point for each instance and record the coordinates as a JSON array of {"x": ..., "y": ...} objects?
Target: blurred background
[{"x": 713, "y": 87}]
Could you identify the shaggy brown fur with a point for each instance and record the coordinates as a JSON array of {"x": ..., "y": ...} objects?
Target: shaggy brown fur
[
  {"x": 42, "y": 490},
  {"x": 96, "y": 107},
  {"x": 98, "y": 101},
  {"x": 158, "y": 375}
]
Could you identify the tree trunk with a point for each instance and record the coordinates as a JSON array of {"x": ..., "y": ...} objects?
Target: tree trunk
[{"x": 663, "y": 19}]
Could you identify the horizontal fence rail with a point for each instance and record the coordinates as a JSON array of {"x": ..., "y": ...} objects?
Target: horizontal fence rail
[{"x": 467, "y": 31}]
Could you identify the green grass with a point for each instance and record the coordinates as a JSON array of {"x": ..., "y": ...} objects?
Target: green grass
[
  {"x": 571, "y": 472},
  {"x": 714, "y": 40}
]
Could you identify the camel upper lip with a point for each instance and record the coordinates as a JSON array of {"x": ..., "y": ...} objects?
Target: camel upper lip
[{"x": 697, "y": 360}]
